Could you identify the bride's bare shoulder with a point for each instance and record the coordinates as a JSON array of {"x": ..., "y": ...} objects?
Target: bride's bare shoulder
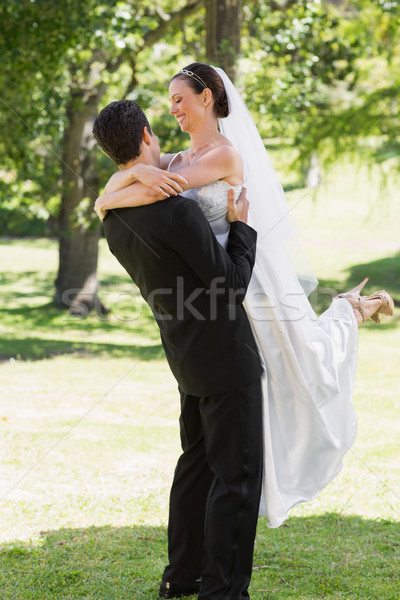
[
  {"x": 225, "y": 143},
  {"x": 226, "y": 162},
  {"x": 226, "y": 153}
]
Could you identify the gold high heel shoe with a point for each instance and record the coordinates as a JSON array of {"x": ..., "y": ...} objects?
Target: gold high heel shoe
[
  {"x": 386, "y": 307},
  {"x": 355, "y": 291}
]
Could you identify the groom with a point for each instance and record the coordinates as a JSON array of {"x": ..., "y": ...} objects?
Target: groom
[{"x": 195, "y": 289}]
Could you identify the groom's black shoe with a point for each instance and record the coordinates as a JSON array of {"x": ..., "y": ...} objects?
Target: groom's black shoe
[{"x": 178, "y": 590}]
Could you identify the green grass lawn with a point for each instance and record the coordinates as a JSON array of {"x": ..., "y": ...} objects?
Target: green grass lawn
[{"x": 89, "y": 432}]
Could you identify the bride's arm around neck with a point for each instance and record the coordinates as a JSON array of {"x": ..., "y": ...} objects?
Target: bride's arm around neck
[{"x": 221, "y": 162}]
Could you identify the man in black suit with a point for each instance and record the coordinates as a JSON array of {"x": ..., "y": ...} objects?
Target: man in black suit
[{"x": 195, "y": 289}]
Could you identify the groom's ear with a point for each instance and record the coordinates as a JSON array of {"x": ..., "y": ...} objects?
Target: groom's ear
[{"x": 146, "y": 136}]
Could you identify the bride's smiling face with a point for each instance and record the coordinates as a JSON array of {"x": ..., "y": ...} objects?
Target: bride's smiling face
[{"x": 186, "y": 106}]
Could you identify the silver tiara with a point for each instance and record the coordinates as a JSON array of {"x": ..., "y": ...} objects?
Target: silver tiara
[{"x": 191, "y": 74}]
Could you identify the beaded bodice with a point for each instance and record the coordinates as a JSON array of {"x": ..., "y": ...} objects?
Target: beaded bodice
[{"x": 212, "y": 198}]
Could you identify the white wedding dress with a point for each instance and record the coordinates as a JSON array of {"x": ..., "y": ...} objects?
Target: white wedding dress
[{"x": 310, "y": 365}]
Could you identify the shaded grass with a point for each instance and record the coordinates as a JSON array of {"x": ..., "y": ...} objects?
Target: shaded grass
[
  {"x": 34, "y": 348},
  {"x": 359, "y": 560},
  {"x": 32, "y": 328},
  {"x": 130, "y": 320}
]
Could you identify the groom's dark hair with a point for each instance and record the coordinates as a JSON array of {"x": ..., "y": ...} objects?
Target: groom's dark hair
[{"x": 118, "y": 130}]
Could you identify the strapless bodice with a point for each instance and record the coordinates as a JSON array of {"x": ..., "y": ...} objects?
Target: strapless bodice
[{"x": 212, "y": 198}]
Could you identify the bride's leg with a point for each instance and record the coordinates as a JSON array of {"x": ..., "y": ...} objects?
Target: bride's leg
[
  {"x": 368, "y": 307},
  {"x": 363, "y": 313}
]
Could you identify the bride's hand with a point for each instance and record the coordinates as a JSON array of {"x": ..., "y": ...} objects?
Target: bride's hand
[
  {"x": 99, "y": 207},
  {"x": 163, "y": 182}
]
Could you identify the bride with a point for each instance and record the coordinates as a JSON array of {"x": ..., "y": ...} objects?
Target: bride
[{"x": 310, "y": 362}]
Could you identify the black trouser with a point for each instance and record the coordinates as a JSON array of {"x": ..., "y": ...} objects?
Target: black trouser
[{"x": 215, "y": 493}]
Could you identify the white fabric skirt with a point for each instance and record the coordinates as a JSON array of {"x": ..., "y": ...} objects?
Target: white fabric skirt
[{"x": 310, "y": 367}]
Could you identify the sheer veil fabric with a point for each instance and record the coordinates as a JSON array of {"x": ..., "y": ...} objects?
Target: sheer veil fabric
[{"x": 310, "y": 362}]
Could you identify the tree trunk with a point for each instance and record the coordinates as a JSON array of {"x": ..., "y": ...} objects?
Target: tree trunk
[
  {"x": 76, "y": 283},
  {"x": 223, "y": 23}
]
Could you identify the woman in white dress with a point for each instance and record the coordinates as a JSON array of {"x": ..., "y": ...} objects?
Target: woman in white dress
[{"x": 310, "y": 362}]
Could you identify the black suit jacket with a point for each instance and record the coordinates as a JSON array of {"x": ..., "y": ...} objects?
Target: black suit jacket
[{"x": 195, "y": 289}]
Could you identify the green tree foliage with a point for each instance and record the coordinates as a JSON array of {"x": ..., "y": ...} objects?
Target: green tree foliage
[
  {"x": 325, "y": 74},
  {"x": 61, "y": 61}
]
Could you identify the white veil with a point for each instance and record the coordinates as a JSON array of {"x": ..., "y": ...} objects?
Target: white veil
[{"x": 269, "y": 213}]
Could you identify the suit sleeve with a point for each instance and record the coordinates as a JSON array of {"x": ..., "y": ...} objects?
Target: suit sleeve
[{"x": 229, "y": 270}]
